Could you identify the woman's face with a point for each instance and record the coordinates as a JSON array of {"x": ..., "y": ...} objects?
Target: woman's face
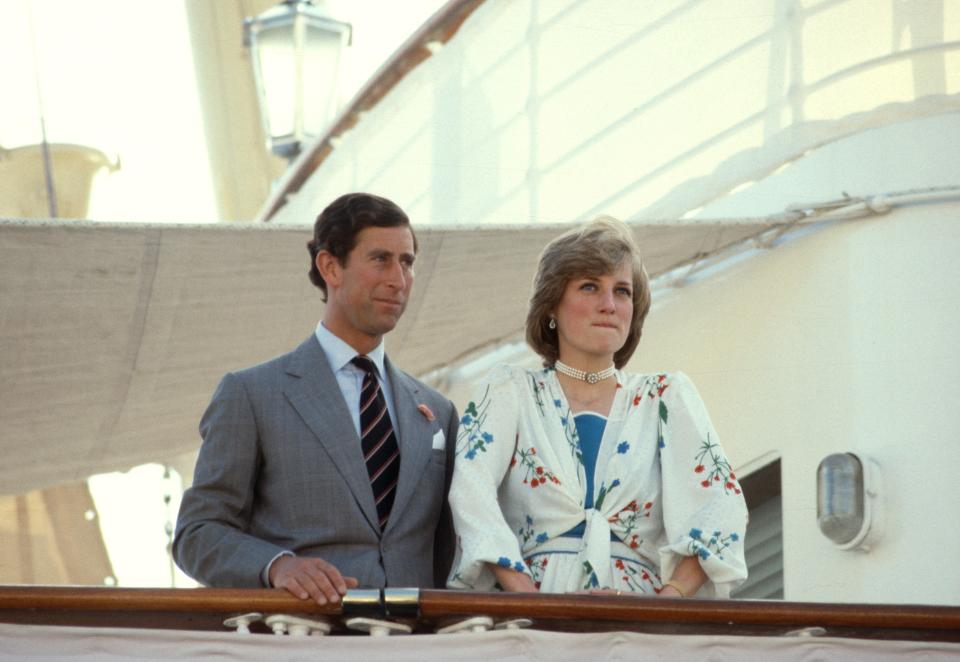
[{"x": 594, "y": 315}]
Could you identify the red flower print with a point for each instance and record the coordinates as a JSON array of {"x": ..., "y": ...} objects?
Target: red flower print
[
  {"x": 729, "y": 485},
  {"x": 636, "y": 400},
  {"x": 661, "y": 381},
  {"x": 531, "y": 472},
  {"x": 619, "y": 564},
  {"x": 533, "y": 451},
  {"x": 645, "y": 575},
  {"x": 705, "y": 483},
  {"x": 716, "y": 477},
  {"x": 733, "y": 475},
  {"x": 648, "y": 505},
  {"x": 698, "y": 469}
]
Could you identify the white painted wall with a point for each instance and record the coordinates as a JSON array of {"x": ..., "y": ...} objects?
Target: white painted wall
[
  {"x": 558, "y": 110},
  {"x": 844, "y": 339}
]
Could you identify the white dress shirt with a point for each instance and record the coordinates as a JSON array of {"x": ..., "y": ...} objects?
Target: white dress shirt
[{"x": 350, "y": 377}]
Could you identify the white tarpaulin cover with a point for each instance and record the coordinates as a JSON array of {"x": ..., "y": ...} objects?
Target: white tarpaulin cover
[
  {"x": 113, "y": 336},
  {"x": 36, "y": 643}
]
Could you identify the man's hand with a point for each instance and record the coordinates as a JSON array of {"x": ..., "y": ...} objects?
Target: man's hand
[{"x": 310, "y": 577}]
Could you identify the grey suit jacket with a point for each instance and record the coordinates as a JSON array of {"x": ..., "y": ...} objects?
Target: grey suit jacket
[{"x": 280, "y": 468}]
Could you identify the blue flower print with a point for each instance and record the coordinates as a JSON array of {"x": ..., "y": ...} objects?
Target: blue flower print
[
  {"x": 471, "y": 438},
  {"x": 604, "y": 491},
  {"x": 557, "y": 403},
  {"x": 715, "y": 545},
  {"x": 527, "y": 534},
  {"x": 519, "y": 567},
  {"x": 503, "y": 562},
  {"x": 623, "y": 447}
]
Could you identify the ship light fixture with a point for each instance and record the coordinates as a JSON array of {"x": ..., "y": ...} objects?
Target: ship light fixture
[
  {"x": 295, "y": 49},
  {"x": 848, "y": 504}
]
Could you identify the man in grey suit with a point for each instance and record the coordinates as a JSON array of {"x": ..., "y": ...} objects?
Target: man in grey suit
[{"x": 328, "y": 468}]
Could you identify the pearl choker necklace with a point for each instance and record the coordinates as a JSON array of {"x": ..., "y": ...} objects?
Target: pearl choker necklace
[{"x": 588, "y": 377}]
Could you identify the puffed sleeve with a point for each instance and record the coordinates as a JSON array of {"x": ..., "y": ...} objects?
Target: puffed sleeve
[
  {"x": 485, "y": 446},
  {"x": 704, "y": 511}
]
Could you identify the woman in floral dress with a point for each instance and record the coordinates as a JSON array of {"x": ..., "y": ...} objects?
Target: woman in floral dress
[{"x": 579, "y": 476}]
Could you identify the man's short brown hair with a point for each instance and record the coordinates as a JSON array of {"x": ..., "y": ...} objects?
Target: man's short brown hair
[{"x": 337, "y": 227}]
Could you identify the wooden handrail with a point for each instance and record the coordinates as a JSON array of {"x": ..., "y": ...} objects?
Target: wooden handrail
[
  {"x": 666, "y": 610},
  {"x": 206, "y": 609}
]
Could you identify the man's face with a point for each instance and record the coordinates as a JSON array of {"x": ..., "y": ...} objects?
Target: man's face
[{"x": 369, "y": 292}]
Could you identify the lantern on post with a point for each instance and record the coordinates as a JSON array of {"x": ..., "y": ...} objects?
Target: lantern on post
[{"x": 295, "y": 48}]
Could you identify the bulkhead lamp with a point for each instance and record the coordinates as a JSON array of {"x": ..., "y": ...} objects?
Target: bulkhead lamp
[
  {"x": 295, "y": 48},
  {"x": 848, "y": 510}
]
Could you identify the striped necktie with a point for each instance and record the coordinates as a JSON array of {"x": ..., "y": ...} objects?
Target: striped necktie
[{"x": 377, "y": 440}]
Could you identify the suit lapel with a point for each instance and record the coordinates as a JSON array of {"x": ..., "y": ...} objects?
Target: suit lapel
[
  {"x": 415, "y": 436},
  {"x": 314, "y": 393}
]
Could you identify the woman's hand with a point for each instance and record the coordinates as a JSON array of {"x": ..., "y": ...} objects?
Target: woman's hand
[
  {"x": 669, "y": 591},
  {"x": 512, "y": 581}
]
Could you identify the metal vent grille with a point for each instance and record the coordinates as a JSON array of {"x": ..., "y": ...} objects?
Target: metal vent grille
[{"x": 764, "y": 553}]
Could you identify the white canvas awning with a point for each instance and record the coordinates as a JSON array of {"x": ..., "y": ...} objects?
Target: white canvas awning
[{"x": 114, "y": 336}]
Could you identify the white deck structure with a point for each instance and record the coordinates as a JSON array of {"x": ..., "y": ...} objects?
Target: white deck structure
[{"x": 839, "y": 335}]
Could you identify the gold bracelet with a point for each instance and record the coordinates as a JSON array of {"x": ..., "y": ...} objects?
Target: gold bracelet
[{"x": 676, "y": 586}]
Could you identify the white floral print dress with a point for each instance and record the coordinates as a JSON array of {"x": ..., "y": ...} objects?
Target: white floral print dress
[{"x": 663, "y": 488}]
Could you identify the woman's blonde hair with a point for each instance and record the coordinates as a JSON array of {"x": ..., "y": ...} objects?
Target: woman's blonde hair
[{"x": 595, "y": 249}]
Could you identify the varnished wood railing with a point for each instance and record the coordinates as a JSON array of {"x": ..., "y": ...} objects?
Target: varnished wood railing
[{"x": 206, "y": 609}]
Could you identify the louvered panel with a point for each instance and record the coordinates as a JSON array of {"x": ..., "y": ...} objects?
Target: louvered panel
[
  {"x": 764, "y": 527},
  {"x": 765, "y": 568},
  {"x": 768, "y": 589},
  {"x": 764, "y": 552}
]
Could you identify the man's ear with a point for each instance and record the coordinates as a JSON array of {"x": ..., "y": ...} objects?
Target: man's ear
[{"x": 329, "y": 267}]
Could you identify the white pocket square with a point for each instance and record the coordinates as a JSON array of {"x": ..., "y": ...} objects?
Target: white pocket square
[{"x": 439, "y": 440}]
